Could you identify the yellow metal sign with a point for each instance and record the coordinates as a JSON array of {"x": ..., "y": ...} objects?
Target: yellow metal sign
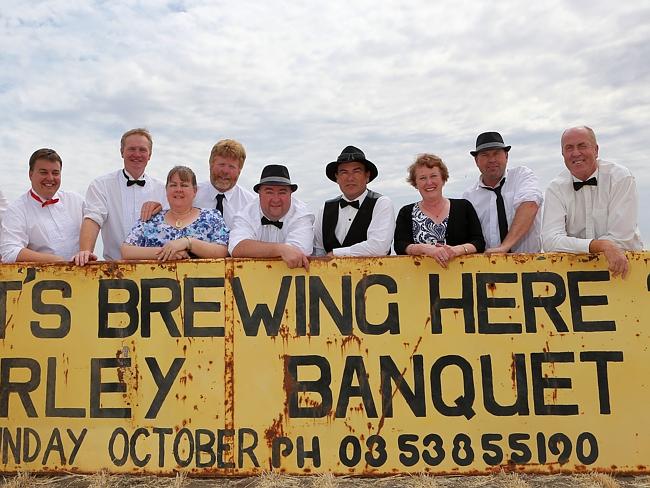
[{"x": 535, "y": 363}]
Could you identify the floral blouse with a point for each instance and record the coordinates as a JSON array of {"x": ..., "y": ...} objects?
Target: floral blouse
[
  {"x": 425, "y": 230},
  {"x": 155, "y": 232}
]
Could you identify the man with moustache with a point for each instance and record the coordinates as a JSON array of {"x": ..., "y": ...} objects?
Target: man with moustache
[
  {"x": 592, "y": 207},
  {"x": 43, "y": 224},
  {"x": 222, "y": 191},
  {"x": 507, "y": 200},
  {"x": 359, "y": 222},
  {"x": 114, "y": 201},
  {"x": 275, "y": 225}
]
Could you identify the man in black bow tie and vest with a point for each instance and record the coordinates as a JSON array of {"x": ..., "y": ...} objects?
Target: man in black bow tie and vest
[
  {"x": 276, "y": 224},
  {"x": 593, "y": 207},
  {"x": 114, "y": 201},
  {"x": 359, "y": 222},
  {"x": 507, "y": 201},
  {"x": 42, "y": 224}
]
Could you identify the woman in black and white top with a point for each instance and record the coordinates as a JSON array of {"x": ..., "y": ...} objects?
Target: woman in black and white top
[{"x": 436, "y": 226}]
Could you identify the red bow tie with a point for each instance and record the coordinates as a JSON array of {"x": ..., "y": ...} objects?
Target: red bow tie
[{"x": 43, "y": 203}]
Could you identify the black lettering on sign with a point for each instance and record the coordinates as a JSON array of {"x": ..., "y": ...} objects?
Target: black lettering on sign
[
  {"x": 261, "y": 313},
  {"x": 548, "y": 303},
  {"x": 574, "y": 278},
  {"x": 354, "y": 367},
  {"x": 249, "y": 450},
  {"x": 97, "y": 388},
  {"x": 106, "y": 308},
  {"x": 520, "y": 405},
  {"x": 205, "y": 447},
  {"x": 301, "y": 306},
  {"x": 463, "y": 404},
  {"x": 464, "y": 303},
  {"x": 140, "y": 462},
  {"x": 22, "y": 389},
  {"x": 119, "y": 459},
  {"x": 601, "y": 358},
  {"x": 163, "y": 382},
  {"x": 543, "y": 382},
  {"x": 391, "y": 324},
  {"x": 281, "y": 446},
  {"x": 184, "y": 462},
  {"x": 390, "y": 374},
  {"x": 31, "y": 451},
  {"x": 192, "y": 307},
  {"x": 224, "y": 447},
  {"x": 51, "y": 410},
  {"x": 165, "y": 309},
  {"x": 313, "y": 454},
  {"x": 50, "y": 309},
  {"x": 10, "y": 444},
  {"x": 483, "y": 303},
  {"x": 319, "y": 294},
  {"x": 55, "y": 445},
  {"x": 293, "y": 386},
  {"x": 6, "y": 286},
  {"x": 162, "y": 432}
]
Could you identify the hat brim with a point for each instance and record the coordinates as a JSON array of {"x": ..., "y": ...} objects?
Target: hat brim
[
  {"x": 330, "y": 169},
  {"x": 488, "y": 147},
  {"x": 273, "y": 183}
]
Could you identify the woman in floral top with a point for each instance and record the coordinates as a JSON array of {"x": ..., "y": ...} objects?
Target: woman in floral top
[{"x": 181, "y": 232}]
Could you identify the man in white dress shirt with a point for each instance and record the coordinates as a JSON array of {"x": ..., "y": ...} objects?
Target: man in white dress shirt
[
  {"x": 275, "y": 225},
  {"x": 42, "y": 224},
  {"x": 507, "y": 200},
  {"x": 114, "y": 201},
  {"x": 222, "y": 191},
  {"x": 592, "y": 207},
  {"x": 3, "y": 205},
  {"x": 360, "y": 222}
]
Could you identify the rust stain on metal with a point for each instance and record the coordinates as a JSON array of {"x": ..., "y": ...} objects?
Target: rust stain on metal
[
  {"x": 274, "y": 431},
  {"x": 347, "y": 340}
]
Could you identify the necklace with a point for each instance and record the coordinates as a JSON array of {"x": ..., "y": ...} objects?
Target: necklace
[
  {"x": 436, "y": 209},
  {"x": 180, "y": 217}
]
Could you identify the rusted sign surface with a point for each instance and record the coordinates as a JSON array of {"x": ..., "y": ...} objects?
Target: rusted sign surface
[{"x": 361, "y": 366}]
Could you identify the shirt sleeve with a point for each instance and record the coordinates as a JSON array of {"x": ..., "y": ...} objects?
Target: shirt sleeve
[
  {"x": 528, "y": 189},
  {"x": 319, "y": 247},
  {"x": 137, "y": 235},
  {"x": 622, "y": 213},
  {"x": 554, "y": 219},
  {"x": 242, "y": 229},
  {"x": 14, "y": 236},
  {"x": 219, "y": 232},
  {"x": 403, "y": 236},
  {"x": 301, "y": 233},
  {"x": 3, "y": 205},
  {"x": 380, "y": 233},
  {"x": 95, "y": 205}
]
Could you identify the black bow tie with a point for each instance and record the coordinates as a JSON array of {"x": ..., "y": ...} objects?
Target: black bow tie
[
  {"x": 345, "y": 203},
  {"x": 277, "y": 223},
  {"x": 590, "y": 182},
  {"x": 130, "y": 182}
]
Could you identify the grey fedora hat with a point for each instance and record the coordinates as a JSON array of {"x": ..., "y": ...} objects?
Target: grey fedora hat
[
  {"x": 489, "y": 140},
  {"x": 277, "y": 175}
]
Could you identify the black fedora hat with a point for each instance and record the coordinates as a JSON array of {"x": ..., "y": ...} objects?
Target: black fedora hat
[
  {"x": 351, "y": 154},
  {"x": 489, "y": 140},
  {"x": 277, "y": 175}
]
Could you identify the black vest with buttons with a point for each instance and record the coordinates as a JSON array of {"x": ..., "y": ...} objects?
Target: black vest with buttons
[{"x": 358, "y": 231}]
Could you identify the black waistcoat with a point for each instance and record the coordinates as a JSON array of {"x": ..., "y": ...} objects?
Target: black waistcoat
[{"x": 358, "y": 229}]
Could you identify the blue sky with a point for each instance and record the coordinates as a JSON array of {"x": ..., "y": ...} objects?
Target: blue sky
[{"x": 296, "y": 81}]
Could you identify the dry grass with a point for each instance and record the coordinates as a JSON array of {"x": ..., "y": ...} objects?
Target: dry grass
[
  {"x": 598, "y": 480},
  {"x": 21, "y": 480}
]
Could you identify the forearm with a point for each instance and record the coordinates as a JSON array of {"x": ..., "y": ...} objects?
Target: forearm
[
  {"x": 204, "y": 249},
  {"x": 249, "y": 248},
  {"x": 88, "y": 235},
  {"x": 27, "y": 255},
  {"x": 131, "y": 252},
  {"x": 521, "y": 223}
]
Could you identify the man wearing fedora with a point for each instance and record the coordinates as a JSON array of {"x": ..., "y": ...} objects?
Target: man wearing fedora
[
  {"x": 592, "y": 207},
  {"x": 507, "y": 200},
  {"x": 359, "y": 222},
  {"x": 274, "y": 225}
]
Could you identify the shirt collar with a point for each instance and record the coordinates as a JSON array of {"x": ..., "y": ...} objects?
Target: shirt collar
[
  {"x": 56, "y": 195},
  {"x": 142, "y": 177}
]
